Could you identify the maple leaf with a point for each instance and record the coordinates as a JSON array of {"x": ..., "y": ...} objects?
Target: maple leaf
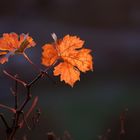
[
  {"x": 11, "y": 44},
  {"x": 75, "y": 58}
]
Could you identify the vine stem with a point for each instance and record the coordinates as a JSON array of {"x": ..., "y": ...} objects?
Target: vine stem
[
  {"x": 43, "y": 72},
  {"x": 18, "y": 110},
  {"x": 15, "y": 94}
]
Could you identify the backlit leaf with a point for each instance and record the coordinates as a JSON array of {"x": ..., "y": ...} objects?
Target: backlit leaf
[
  {"x": 11, "y": 44},
  {"x": 75, "y": 58}
]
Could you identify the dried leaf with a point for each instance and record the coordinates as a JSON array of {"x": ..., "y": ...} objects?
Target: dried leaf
[
  {"x": 11, "y": 44},
  {"x": 75, "y": 58}
]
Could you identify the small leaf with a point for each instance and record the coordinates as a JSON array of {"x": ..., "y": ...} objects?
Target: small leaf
[{"x": 11, "y": 44}]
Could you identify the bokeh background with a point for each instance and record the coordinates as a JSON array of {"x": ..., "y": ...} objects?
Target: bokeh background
[{"x": 111, "y": 28}]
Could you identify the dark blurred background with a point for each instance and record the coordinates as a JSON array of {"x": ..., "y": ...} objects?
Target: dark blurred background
[{"x": 111, "y": 28}]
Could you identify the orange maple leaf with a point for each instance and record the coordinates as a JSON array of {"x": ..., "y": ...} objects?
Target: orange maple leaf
[
  {"x": 11, "y": 44},
  {"x": 75, "y": 58}
]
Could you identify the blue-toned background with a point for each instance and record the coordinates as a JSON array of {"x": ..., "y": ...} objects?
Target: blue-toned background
[{"x": 111, "y": 29}]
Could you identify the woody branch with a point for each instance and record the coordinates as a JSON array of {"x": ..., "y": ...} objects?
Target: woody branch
[{"x": 19, "y": 108}]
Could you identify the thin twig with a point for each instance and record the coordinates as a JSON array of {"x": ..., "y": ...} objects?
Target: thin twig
[
  {"x": 29, "y": 111},
  {"x": 122, "y": 124},
  {"x": 28, "y": 97},
  {"x": 35, "y": 79},
  {"x": 14, "y": 92},
  {"x": 4, "y": 121},
  {"x": 14, "y": 78},
  {"x": 31, "y": 62},
  {"x": 25, "y": 120},
  {"x": 15, "y": 95},
  {"x": 7, "y": 107}
]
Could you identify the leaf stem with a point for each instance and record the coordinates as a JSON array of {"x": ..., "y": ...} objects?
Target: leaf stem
[{"x": 31, "y": 62}]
